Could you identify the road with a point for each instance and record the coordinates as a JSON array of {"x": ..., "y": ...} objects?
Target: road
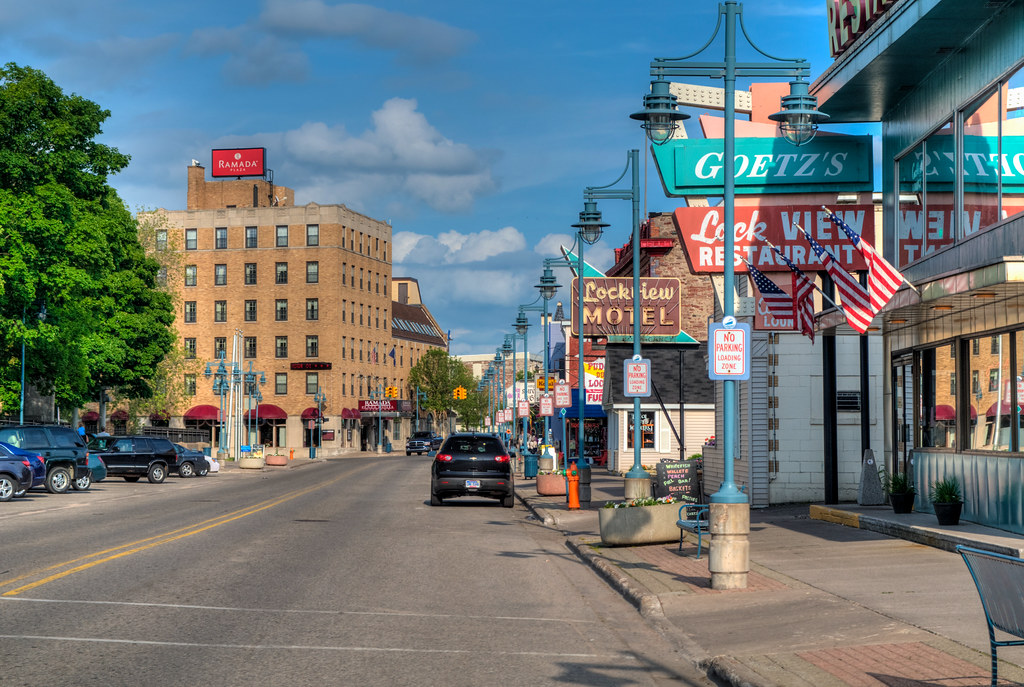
[{"x": 335, "y": 572}]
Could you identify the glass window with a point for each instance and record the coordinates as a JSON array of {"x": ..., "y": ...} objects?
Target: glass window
[
  {"x": 281, "y": 346},
  {"x": 312, "y": 308},
  {"x": 221, "y": 238},
  {"x": 220, "y": 346},
  {"x": 161, "y": 276},
  {"x": 190, "y": 384},
  {"x": 993, "y": 379},
  {"x": 161, "y": 239},
  {"x": 312, "y": 346},
  {"x": 190, "y": 348},
  {"x": 937, "y": 388},
  {"x": 981, "y": 173},
  {"x": 646, "y": 429},
  {"x": 190, "y": 311},
  {"x": 281, "y": 273},
  {"x": 281, "y": 310},
  {"x": 360, "y": 276},
  {"x": 250, "y": 273},
  {"x": 191, "y": 239},
  {"x": 282, "y": 236},
  {"x": 251, "y": 237},
  {"x": 312, "y": 382},
  {"x": 220, "y": 275},
  {"x": 250, "y": 311},
  {"x": 220, "y": 311},
  {"x": 921, "y": 230},
  {"x": 344, "y": 346},
  {"x": 281, "y": 383},
  {"x": 991, "y": 408},
  {"x": 312, "y": 234},
  {"x": 344, "y": 274},
  {"x": 312, "y": 272},
  {"x": 250, "y": 347},
  {"x": 191, "y": 272}
]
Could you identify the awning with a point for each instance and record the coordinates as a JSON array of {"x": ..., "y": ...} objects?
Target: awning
[
  {"x": 310, "y": 414},
  {"x": 203, "y": 412},
  {"x": 945, "y": 412},
  {"x": 1004, "y": 409},
  {"x": 350, "y": 414},
  {"x": 90, "y": 416},
  {"x": 120, "y": 415},
  {"x": 573, "y": 412},
  {"x": 267, "y": 411}
]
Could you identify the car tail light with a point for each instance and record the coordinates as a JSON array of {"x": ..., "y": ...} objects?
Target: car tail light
[
  {"x": 502, "y": 458},
  {"x": 24, "y": 461},
  {"x": 444, "y": 457}
]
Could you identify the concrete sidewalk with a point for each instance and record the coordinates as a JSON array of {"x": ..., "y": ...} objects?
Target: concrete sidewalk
[{"x": 836, "y": 595}]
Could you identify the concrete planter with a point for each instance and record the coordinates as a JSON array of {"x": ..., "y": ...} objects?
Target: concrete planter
[
  {"x": 551, "y": 485},
  {"x": 250, "y": 463},
  {"x": 277, "y": 460},
  {"x": 639, "y": 524}
]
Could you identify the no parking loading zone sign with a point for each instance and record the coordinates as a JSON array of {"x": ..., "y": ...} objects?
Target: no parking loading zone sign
[{"x": 729, "y": 344}]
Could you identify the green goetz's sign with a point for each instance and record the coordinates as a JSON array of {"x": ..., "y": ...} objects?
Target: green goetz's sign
[{"x": 766, "y": 165}]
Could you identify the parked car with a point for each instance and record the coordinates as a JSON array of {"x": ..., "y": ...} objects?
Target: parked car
[
  {"x": 37, "y": 463},
  {"x": 191, "y": 462},
  {"x": 132, "y": 457},
  {"x": 472, "y": 464},
  {"x": 435, "y": 442},
  {"x": 418, "y": 443},
  {"x": 15, "y": 475},
  {"x": 97, "y": 468},
  {"x": 62, "y": 448}
]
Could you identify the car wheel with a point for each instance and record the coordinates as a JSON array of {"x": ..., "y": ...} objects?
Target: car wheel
[
  {"x": 21, "y": 492},
  {"x": 7, "y": 487},
  {"x": 508, "y": 501},
  {"x": 203, "y": 472},
  {"x": 135, "y": 478},
  {"x": 83, "y": 483},
  {"x": 186, "y": 470},
  {"x": 436, "y": 500},
  {"x": 157, "y": 473},
  {"x": 58, "y": 480}
]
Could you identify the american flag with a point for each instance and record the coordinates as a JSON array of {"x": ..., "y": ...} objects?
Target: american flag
[
  {"x": 855, "y": 299},
  {"x": 883, "y": 279},
  {"x": 803, "y": 298},
  {"x": 778, "y": 301}
]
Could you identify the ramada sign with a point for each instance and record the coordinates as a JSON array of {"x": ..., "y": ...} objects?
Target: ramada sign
[{"x": 239, "y": 162}]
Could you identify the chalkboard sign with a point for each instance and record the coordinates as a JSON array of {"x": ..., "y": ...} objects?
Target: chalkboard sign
[{"x": 678, "y": 478}]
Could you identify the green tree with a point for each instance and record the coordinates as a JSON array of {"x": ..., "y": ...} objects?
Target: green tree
[
  {"x": 67, "y": 242},
  {"x": 437, "y": 374}
]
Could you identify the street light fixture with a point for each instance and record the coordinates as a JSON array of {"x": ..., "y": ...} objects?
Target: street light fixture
[
  {"x": 522, "y": 325},
  {"x": 221, "y": 388},
  {"x": 548, "y": 287},
  {"x": 320, "y": 399},
  {"x": 589, "y": 229}
]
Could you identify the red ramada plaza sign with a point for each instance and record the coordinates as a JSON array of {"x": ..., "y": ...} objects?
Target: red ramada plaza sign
[{"x": 239, "y": 162}]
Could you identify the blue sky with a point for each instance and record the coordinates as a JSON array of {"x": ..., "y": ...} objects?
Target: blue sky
[{"x": 472, "y": 127}]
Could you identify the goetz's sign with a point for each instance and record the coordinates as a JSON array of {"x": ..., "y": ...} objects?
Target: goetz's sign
[
  {"x": 849, "y": 19},
  {"x": 608, "y": 306},
  {"x": 766, "y": 165},
  {"x": 239, "y": 162},
  {"x": 702, "y": 232}
]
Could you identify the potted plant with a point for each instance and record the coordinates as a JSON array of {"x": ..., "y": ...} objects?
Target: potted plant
[
  {"x": 900, "y": 490},
  {"x": 639, "y": 521},
  {"x": 946, "y": 498}
]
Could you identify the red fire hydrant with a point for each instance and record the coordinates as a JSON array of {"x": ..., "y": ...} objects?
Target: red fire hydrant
[{"x": 574, "y": 487}]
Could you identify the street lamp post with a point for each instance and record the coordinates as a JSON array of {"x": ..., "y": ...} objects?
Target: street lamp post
[
  {"x": 251, "y": 378},
  {"x": 730, "y": 511},
  {"x": 42, "y": 318},
  {"x": 548, "y": 286},
  {"x": 589, "y": 230},
  {"x": 320, "y": 399},
  {"x": 522, "y": 325},
  {"x": 220, "y": 389}
]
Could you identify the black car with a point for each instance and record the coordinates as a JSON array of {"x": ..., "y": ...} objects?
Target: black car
[
  {"x": 191, "y": 462},
  {"x": 435, "y": 442},
  {"x": 132, "y": 457},
  {"x": 418, "y": 443},
  {"x": 15, "y": 475},
  {"x": 472, "y": 464},
  {"x": 63, "y": 450}
]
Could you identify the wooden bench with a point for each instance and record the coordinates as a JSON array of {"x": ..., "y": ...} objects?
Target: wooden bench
[
  {"x": 692, "y": 517},
  {"x": 1000, "y": 583}
]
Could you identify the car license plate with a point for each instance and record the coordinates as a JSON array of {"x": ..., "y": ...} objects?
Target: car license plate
[{"x": 472, "y": 484}]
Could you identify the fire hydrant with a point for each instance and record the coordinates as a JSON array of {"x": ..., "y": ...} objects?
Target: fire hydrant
[
  {"x": 574, "y": 487},
  {"x": 291, "y": 454}
]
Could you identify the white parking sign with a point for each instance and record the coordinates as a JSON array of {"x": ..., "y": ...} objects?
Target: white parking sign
[{"x": 730, "y": 351}]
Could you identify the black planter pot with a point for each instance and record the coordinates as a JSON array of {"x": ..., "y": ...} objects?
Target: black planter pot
[
  {"x": 948, "y": 513},
  {"x": 902, "y": 502}
]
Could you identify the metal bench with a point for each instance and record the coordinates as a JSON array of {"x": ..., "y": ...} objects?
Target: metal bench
[
  {"x": 692, "y": 517},
  {"x": 1000, "y": 583}
]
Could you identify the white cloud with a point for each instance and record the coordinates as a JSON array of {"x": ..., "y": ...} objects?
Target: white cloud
[
  {"x": 452, "y": 248},
  {"x": 550, "y": 245}
]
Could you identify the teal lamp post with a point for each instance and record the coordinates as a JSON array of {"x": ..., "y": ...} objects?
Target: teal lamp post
[
  {"x": 320, "y": 398},
  {"x": 508, "y": 351},
  {"x": 589, "y": 230},
  {"x": 522, "y": 325},
  {"x": 221, "y": 387},
  {"x": 548, "y": 287},
  {"x": 799, "y": 120}
]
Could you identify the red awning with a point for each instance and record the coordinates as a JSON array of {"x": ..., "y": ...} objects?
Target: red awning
[
  {"x": 203, "y": 412},
  {"x": 90, "y": 416},
  {"x": 350, "y": 414},
  {"x": 310, "y": 414},
  {"x": 119, "y": 415},
  {"x": 267, "y": 411},
  {"x": 941, "y": 412},
  {"x": 1004, "y": 409},
  {"x": 974, "y": 413}
]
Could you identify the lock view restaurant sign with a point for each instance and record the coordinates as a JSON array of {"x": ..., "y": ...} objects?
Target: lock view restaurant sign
[{"x": 608, "y": 306}]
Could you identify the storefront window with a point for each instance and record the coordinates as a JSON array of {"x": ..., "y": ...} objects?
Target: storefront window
[
  {"x": 925, "y": 217},
  {"x": 938, "y": 397},
  {"x": 990, "y": 394},
  {"x": 646, "y": 429},
  {"x": 1011, "y": 130},
  {"x": 981, "y": 173}
]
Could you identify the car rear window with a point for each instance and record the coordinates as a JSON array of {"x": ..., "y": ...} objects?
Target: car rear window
[{"x": 474, "y": 445}]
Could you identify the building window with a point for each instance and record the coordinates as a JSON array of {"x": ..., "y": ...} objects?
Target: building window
[
  {"x": 360, "y": 313},
  {"x": 161, "y": 239},
  {"x": 952, "y": 384},
  {"x": 344, "y": 309},
  {"x": 281, "y": 273},
  {"x": 360, "y": 350},
  {"x": 344, "y": 346},
  {"x": 312, "y": 346},
  {"x": 975, "y": 347},
  {"x": 993, "y": 379},
  {"x": 312, "y": 272},
  {"x": 312, "y": 234},
  {"x": 190, "y": 311},
  {"x": 191, "y": 239},
  {"x": 281, "y": 383},
  {"x": 991, "y": 407},
  {"x": 250, "y": 347},
  {"x": 360, "y": 278},
  {"x": 282, "y": 237},
  {"x": 190, "y": 385},
  {"x": 161, "y": 276},
  {"x": 994, "y": 346},
  {"x": 220, "y": 311},
  {"x": 190, "y": 348},
  {"x": 250, "y": 311},
  {"x": 344, "y": 274},
  {"x": 312, "y": 382},
  {"x": 220, "y": 275},
  {"x": 221, "y": 238},
  {"x": 281, "y": 310},
  {"x": 312, "y": 308},
  {"x": 251, "y": 237},
  {"x": 281, "y": 347},
  {"x": 191, "y": 272},
  {"x": 220, "y": 347},
  {"x": 250, "y": 273},
  {"x": 646, "y": 429}
]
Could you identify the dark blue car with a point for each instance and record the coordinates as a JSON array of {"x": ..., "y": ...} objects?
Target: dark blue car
[
  {"x": 36, "y": 461},
  {"x": 15, "y": 475}
]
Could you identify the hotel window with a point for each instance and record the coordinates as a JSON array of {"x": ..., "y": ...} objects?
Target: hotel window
[
  {"x": 161, "y": 276},
  {"x": 360, "y": 278},
  {"x": 220, "y": 311},
  {"x": 344, "y": 274},
  {"x": 221, "y": 238},
  {"x": 281, "y": 383},
  {"x": 993, "y": 379},
  {"x": 312, "y": 272},
  {"x": 312, "y": 234},
  {"x": 250, "y": 347},
  {"x": 220, "y": 275},
  {"x": 344, "y": 308},
  {"x": 361, "y": 350},
  {"x": 312, "y": 382},
  {"x": 281, "y": 273},
  {"x": 161, "y": 239},
  {"x": 220, "y": 346},
  {"x": 251, "y": 237},
  {"x": 190, "y": 311},
  {"x": 281, "y": 310},
  {"x": 994, "y": 345},
  {"x": 312, "y": 308},
  {"x": 281, "y": 347},
  {"x": 282, "y": 237},
  {"x": 250, "y": 273},
  {"x": 312, "y": 346},
  {"x": 376, "y": 282},
  {"x": 376, "y": 321},
  {"x": 190, "y": 348},
  {"x": 190, "y": 385},
  {"x": 250, "y": 311},
  {"x": 190, "y": 275},
  {"x": 344, "y": 346},
  {"x": 191, "y": 239},
  {"x": 360, "y": 313}
]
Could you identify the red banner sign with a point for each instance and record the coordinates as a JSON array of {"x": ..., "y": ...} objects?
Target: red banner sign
[
  {"x": 701, "y": 231},
  {"x": 379, "y": 405},
  {"x": 239, "y": 162}
]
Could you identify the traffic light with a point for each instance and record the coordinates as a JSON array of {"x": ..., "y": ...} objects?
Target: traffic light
[
  {"x": 391, "y": 392},
  {"x": 462, "y": 393},
  {"x": 459, "y": 393}
]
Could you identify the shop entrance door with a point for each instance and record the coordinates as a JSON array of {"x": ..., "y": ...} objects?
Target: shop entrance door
[{"x": 903, "y": 411}]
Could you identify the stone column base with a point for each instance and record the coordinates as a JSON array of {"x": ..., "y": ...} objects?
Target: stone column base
[
  {"x": 729, "y": 558},
  {"x": 637, "y": 488}
]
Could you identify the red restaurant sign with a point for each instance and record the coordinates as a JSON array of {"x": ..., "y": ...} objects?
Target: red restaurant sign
[
  {"x": 239, "y": 162},
  {"x": 701, "y": 231},
  {"x": 382, "y": 405}
]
